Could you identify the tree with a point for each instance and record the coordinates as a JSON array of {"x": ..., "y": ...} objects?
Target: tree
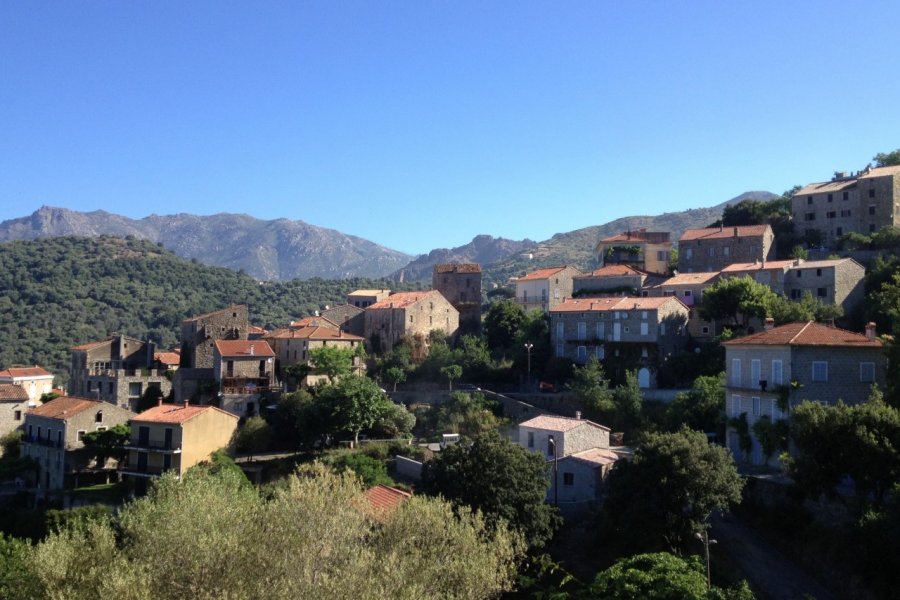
[
  {"x": 466, "y": 414},
  {"x": 11, "y": 444},
  {"x": 590, "y": 385},
  {"x": 668, "y": 491},
  {"x": 254, "y": 437},
  {"x": 16, "y": 579},
  {"x": 451, "y": 372},
  {"x": 357, "y": 404},
  {"x": 395, "y": 421},
  {"x": 502, "y": 323},
  {"x": 807, "y": 308},
  {"x": 887, "y": 159},
  {"x": 332, "y": 361},
  {"x": 300, "y": 420},
  {"x": 499, "y": 478},
  {"x": 104, "y": 444},
  {"x": 394, "y": 375},
  {"x": 628, "y": 399},
  {"x": 371, "y": 471},
  {"x": 736, "y": 300}
]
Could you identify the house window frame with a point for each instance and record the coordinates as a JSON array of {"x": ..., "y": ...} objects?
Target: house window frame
[
  {"x": 819, "y": 377},
  {"x": 867, "y": 372}
]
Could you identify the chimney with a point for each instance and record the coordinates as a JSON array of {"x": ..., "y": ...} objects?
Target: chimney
[
  {"x": 764, "y": 262},
  {"x": 770, "y": 324},
  {"x": 578, "y": 414},
  {"x": 186, "y": 403},
  {"x": 159, "y": 401},
  {"x": 252, "y": 349},
  {"x": 735, "y": 232},
  {"x": 870, "y": 331}
]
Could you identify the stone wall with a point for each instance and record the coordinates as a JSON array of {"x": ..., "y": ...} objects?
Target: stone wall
[{"x": 198, "y": 335}]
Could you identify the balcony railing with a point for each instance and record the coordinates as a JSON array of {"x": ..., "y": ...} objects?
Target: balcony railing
[
  {"x": 153, "y": 446},
  {"x": 137, "y": 471},
  {"x": 44, "y": 442}
]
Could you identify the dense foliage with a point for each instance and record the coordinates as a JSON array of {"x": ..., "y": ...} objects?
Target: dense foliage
[{"x": 60, "y": 292}]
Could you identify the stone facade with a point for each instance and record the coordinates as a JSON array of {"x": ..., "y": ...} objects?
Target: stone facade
[
  {"x": 118, "y": 370},
  {"x": 243, "y": 369},
  {"x": 53, "y": 434},
  {"x": 545, "y": 288},
  {"x": 409, "y": 314},
  {"x": 837, "y": 281},
  {"x": 618, "y": 280},
  {"x": 348, "y": 318},
  {"x": 818, "y": 362},
  {"x": 713, "y": 249},
  {"x": 570, "y": 435},
  {"x": 292, "y": 346},
  {"x": 648, "y": 251},
  {"x": 460, "y": 283},
  {"x": 862, "y": 202},
  {"x": 772, "y": 273},
  {"x": 36, "y": 381},
  {"x": 366, "y": 298},
  {"x": 199, "y": 334},
  {"x": 14, "y": 404}
]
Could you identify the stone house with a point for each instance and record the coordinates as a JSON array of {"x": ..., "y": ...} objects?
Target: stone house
[
  {"x": 168, "y": 360},
  {"x": 199, "y": 334},
  {"x": 53, "y": 438},
  {"x": 292, "y": 346},
  {"x": 779, "y": 367},
  {"x": 175, "y": 437},
  {"x": 689, "y": 288},
  {"x": 14, "y": 404},
  {"x": 648, "y": 251},
  {"x": 346, "y": 317},
  {"x": 545, "y": 288},
  {"x": 118, "y": 370},
  {"x": 243, "y": 369},
  {"x": 409, "y": 314},
  {"x": 612, "y": 280},
  {"x": 836, "y": 281},
  {"x": 770, "y": 273},
  {"x": 36, "y": 381},
  {"x": 651, "y": 328},
  {"x": 460, "y": 283},
  {"x": 861, "y": 202},
  {"x": 366, "y": 298},
  {"x": 714, "y": 248}
]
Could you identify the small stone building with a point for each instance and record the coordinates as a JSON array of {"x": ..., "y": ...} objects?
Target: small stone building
[
  {"x": 545, "y": 288},
  {"x": 460, "y": 283},
  {"x": 243, "y": 369},
  {"x": 835, "y": 281},
  {"x": 612, "y": 280},
  {"x": 36, "y": 381},
  {"x": 366, "y": 298},
  {"x": 409, "y": 314},
  {"x": 292, "y": 346},
  {"x": 648, "y": 251},
  {"x": 347, "y": 317},
  {"x": 14, "y": 404},
  {"x": 715, "y": 248}
]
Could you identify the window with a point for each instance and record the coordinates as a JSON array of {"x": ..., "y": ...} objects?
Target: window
[
  {"x": 799, "y": 273},
  {"x": 822, "y": 292},
  {"x": 726, "y": 251},
  {"x": 755, "y": 406},
  {"x": 840, "y": 231},
  {"x": 560, "y": 330},
  {"x": 846, "y": 196},
  {"x": 735, "y": 405},
  {"x": 531, "y": 439},
  {"x": 135, "y": 389},
  {"x": 830, "y": 197},
  {"x": 645, "y": 329},
  {"x": 568, "y": 478},
  {"x": 238, "y": 407},
  {"x": 582, "y": 354},
  {"x": 79, "y": 435},
  {"x": 831, "y": 214},
  {"x": 689, "y": 253},
  {"x": 582, "y": 330},
  {"x": 754, "y": 372},
  {"x": 18, "y": 415},
  {"x": 601, "y": 333},
  {"x": 818, "y": 272},
  {"x": 735, "y": 372},
  {"x": 872, "y": 193},
  {"x": 662, "y": 329},
  {"x": 809, "y": 200},
  {"x": 809, "y": 216},
  {"x": 644, "y": 314},
  {"x": 796, "y": 294},
  {"x": 705, "y": 330},
  {"x": 866, "y": 372},
  {"x": 662, "y": 255},
  {"x": 600, "y": 352},
  {"x": 776, "y": 372},
  {"x": 820, "y": 371},
  {"x": 872, "y": 209},
  {"x": 846, "y": 213},
  {"x": 556, "y": 293},
  {"x": 98, "y": 418},
  {"x": 712, "y": 251},
  {"x": 776, "y": 412},
  {"x": 871, "y": 227}
]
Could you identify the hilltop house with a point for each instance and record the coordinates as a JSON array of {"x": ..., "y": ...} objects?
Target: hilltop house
[
  {"x": 243, "y": 369},
  {"x": 118, "y": 370},
  {"x": 648, "y": 251},
  {"x": 14, "y": 403},
  {"x": 689, "y": 288},
  {"x": 53, "y": 438},
  {"x": 545, "y": 288},
  {"x": 613, "y": 280},
  {"x": 862, "y": 202},
  {"x": 175, "y": 437},
  {"x": 714, "y": 248},
  {"x": 460, "y": 283},
  {"x": 292, "y": 346},
  {"x": 346, "y": 317},
  {"x": 409, "y": 314},
  {"x": 769, "y": 371},
  {"x": 36, "y": 381}
]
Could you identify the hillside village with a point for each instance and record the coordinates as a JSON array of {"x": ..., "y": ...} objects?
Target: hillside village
[{"x": 769, "y": 354}]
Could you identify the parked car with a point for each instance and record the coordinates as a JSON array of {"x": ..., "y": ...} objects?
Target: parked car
[{"x": 546, "y": 388}]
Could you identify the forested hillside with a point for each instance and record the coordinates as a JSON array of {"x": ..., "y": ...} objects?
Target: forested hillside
[{"x": 59, "y": 292}]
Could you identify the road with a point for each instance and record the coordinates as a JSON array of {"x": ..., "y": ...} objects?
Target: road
[{"x": 768, "y": 570}]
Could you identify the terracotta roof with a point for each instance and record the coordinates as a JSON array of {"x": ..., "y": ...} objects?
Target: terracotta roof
[
  {"x": 342, "y": 307},
  {"x": 806, "y": 334},
  {"x": 312, "y": 333},
  {"x": 457, "y": 268},
  {"x": 690, "y": 278},
  {"x": 823, "y": 264},
  {"x": 244, "y": 348},
  {"x": 640, "y": 235},
  {"x": 759, "y": 266},
  {"x": 594, "y": 456},
  {"x": 384, "y": 498},
  {"x": 215, "y": 312},
  {"x": 402, "y": 299},
  {"x": 65, "y": 407},
  {"x": 880, "y": 172},
  {"x": 92, "y": 345},
  {"x": 10, "y": 392},
  {"x": 174, "y": 413},
  {"x": 713, "y": 233},
  {"x": 255, "y": 329},
  {"x": 554, "y": 423},
  {"x": 170, "y": 357},
  {"x": 611, "y": 271},
  {"x": 368, "y": 292},
  {"x": 24, "y": 372},
  {"x": 316, "y": 321},
  {"x": 541, "y": 273},
  {"x": 616, "y": 303}
]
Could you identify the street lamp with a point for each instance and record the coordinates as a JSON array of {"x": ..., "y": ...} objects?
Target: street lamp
[
  {"x": 704, "y": 539},
  {"x": 528, "y": 347},
  {"x": 552, "y": 443}
]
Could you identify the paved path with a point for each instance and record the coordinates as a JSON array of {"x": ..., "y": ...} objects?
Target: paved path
[{"x": 769, "y": 571}]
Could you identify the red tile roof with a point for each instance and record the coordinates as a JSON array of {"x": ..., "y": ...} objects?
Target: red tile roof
[
  {"x": 594, "y": 456},
  {"x": 317, "y": 321},
  {"x": 611, "y": 271},
  {"x": 92, "y": 345},
  {"x": 541, "y": 274},
  {"x": 616, "y": 303},
  {"x": 760, "y": 266},
  {"x": 65, "y": 407},
  {"x": 713, "y": 233},
  {"x": 174, "y": 413},
  {"x": 255, "y": 329},
  {"x": 806, "y": 334},
  {"x": 690, "y": 278},
  {"x": 385, "y": 499},
  {"x": 25, "y": 372},
  {"x": 554, "y": 423},
  {"x": 640, "y": 235},
  {"x": 312, "y": 333},
  {"x": 215, "y": 312},
  {"x": 457, "y": 268},
  {"x": 402, "y": 299},
  {"x": 12, "y": 393},
  {"x": 244, "y": 348},
  {"x": 171, "y": 357}
]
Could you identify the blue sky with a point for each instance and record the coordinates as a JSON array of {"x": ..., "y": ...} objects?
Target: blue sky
[{"x": 419, "y": 125}]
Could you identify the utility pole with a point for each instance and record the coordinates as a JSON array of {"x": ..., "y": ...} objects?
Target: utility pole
[{"x": 704, "y": 539}]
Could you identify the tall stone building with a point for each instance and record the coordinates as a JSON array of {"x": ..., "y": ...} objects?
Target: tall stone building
[
  {"x": 648, "y": 251},
  {"x": 460, "y": 283},
  {"x": 409, "y": 314},
  {"x": 714, "y": 248},
  {"x": 862, "y": 202},
  {"x": 199, "y": 334}
]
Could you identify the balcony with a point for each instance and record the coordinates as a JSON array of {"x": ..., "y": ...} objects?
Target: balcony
[
  {"x": 152, "y": 446},
  {"x": 247, "y": 385},
  {"x": 30, "y": 439},
  {"x": 143, "y": 471}
]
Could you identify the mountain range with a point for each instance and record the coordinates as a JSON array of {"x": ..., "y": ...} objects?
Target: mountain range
[{"x": 283, "y": 249}]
